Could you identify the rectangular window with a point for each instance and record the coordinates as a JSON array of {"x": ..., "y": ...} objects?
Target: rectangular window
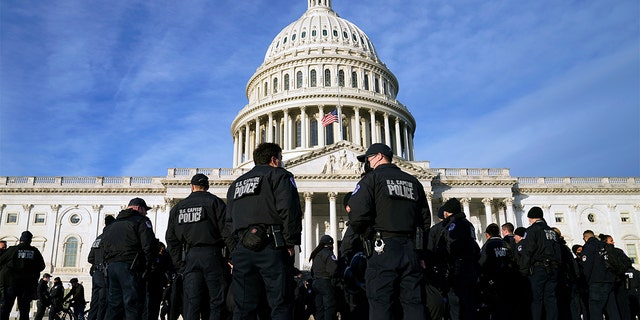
[
  {"x": 559, "y": 217},
  {"x": 632, "y": 253},
  {"x": 12, "y": 218},
  {"x": 625, "y": 217},
  {"x": 39, "y": 218}
]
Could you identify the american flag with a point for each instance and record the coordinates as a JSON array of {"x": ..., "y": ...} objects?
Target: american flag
[{"x": 330, "y": 118}]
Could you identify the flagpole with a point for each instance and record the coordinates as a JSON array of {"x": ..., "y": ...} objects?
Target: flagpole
[{"x": 339, "y": 115}]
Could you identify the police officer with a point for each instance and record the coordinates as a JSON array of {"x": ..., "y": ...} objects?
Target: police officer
[
  {"x": 539, "y": 260},
  {"x": 459, "y": 247},
  {"x": 22, "y": 264},
  {"x": 98, "y": 305},
  {"x": 323, "y": 267},
  {"x": 57, "y": 297},
  {"x": 128, "y": 253},
  {"x": 195, "y": 231},
  {"x": 44, "y": 300},
  {"x": 264, "y": 223},
  {"x": 391, "y": 205},
  {"x": 599, "y": 278},
  {"x": 497, "y": 274},
  {"x": 77, "y": 298}
]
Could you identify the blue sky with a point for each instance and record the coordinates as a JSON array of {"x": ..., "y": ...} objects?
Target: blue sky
[{"x": 131, "y": 88}]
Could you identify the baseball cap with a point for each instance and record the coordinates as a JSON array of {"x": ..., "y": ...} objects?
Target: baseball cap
[
  {"x": 375, "y": 149},
  {"x": 138, "y": 202},
  {"x": 200, "y": 179}
]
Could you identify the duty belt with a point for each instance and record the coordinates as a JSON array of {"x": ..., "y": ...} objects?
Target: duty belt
[{"x": 389, "y": 234}]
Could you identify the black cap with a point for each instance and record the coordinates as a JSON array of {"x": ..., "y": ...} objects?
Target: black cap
[
  {"x": 535, "y": 213},
  {"x": 452, "y": 206},
  {"x": 46, "y": 275},
  {"x": 375, "y": 149},
  {"x": 109, "y": 219},
  {"x": 26, "y": 237},
  {"x": 73, "y": 280},
  {"x": 441, "y": 212},
  {"x": 520, "y": 231},
  {"x": 138, "y": 202},
  {"x": 200, "y": 180},
  {"x": 326, "y": 239}
]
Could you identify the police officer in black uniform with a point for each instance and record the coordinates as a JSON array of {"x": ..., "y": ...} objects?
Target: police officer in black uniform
[
  {"x": 98, "y": 305},
  {"x": 22, "y": 264},
  {"x": 459, "y": 247},
  {"x": 264, "y": 223},
  {"x": 128, "y": 254},
  {"x": 539, "y": 260},
  {"x": 195, "y": 226},
  {"x": 323, "y": 268},
  {"x": 599, "y": 278},
  {"x": 391, "y": 206},
  {"x": 497, "y": 275}
]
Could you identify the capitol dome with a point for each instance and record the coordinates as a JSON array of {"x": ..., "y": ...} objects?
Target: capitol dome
[{"x": 318, "y": 65}]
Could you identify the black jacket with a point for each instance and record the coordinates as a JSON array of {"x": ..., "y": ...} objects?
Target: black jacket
[
  {"x": 21, "y": 265},
  {"x": 264, "y": 195},
  {"x": 324, "y": 264},
  {"x": 390, "y": 200},
  {"x": 96, "y": 255},
  {"x": 130, "y": 235},
  {"x": 43, "y": 292},
  {"x": 593, "y": 264},
  {"x": 540, "y": 244},
  {"x": 197, "y": 220}
]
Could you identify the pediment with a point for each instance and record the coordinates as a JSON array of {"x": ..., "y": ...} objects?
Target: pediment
[{"x": 340, "y": 159}]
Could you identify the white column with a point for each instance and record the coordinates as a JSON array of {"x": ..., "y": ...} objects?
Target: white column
[
  {"x": 356, "y": 127},
  {"x": 572, "y": 221},
  {"x": 524, "y": 221},
  {"x": 511, "y": 217},
  {"x": 285, "y": 133},
  {"x": 308, "y": 213},
  {"x": 387, "y": 133},
  {"x": 333, "y": 220},
  {"x": 270, "y": 128},
  {"x": 257, "y": 131},
  {"x": 406, "y": 142},
  {"x": 235, "y": 149},
  {"x": 247, "y": 135},
  {"x": 613, "y": 219},
  {"x": 412, "y": 156},
  {"x": 303, "y": 127},
  {"x": 321, "y": 137},
  {"x": 240, "y": 146},
  {"x": 546, "y": 211},
  {"x": 465, "y": 205},
  {"x": 374, "y": 138},
  {"x": 340, "y": 126},
  {"x": 398, "y": 144},
  {"x": 487, "y": 210}
]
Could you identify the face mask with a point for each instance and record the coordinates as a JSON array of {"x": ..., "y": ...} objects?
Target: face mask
[{"x": 367, "y": 167}]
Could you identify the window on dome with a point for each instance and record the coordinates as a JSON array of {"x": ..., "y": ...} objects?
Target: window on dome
[
  {"x": 335, "y": 33},
  {"x": 366, "y": 81},
  {"x": 299, "y": 80},
  {"x": 313, "y": 80},
  {"x": 324, "y": 32},
  {"x": 298, "y": 135},
  {"x": 328, "y": 134},
  {"x": 327, "y": 78},
  {"x": 285, "y": 40},
  {"x": 275, "y": 85},
  {"x": 286, "y": 81},
  {"x": 277, "y": 44},
  {"x": 345, "y": 34},
  {"x": 70, "y": 252},
  {"x": 376, "y": 84},
  {"x": 354, "y": 79},
  {"x": 353, "y": 36},
  {"x": 341, "y": 78},
  {"x": 314, "y": 132},
  {"x": 293, "y": 37},
  {"x": 265, "y": 89},
  {"x": 304, "y": 34},
  {"x": 313, "y": 33}
]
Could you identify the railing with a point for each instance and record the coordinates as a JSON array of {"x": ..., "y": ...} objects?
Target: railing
[
  {"x": 79, "y": 181},
  {"x": 474, "y": 172},
  {"x": 577, "y": 180}
]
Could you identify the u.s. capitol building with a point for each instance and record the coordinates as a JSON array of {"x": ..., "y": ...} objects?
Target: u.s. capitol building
[{"x": 318, "y": 64}]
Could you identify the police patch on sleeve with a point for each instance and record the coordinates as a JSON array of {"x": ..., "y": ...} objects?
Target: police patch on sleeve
[
  {"x": 293, "y": 182},
  {"x": 333, "y": 257},
  {"x": 452, "y": 227},
  {"x": 356, "y": 189},
  {"x": 148, "y": 223},
  {"x": 584, "y": 258}
]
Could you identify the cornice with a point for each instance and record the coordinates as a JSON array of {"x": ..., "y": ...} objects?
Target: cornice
[
  {"x": 46, "y": 190},
  {"x": 579, "y": 190},
  {"x": 486, "y": 182}
]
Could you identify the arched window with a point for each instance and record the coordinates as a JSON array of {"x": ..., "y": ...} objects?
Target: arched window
[
  {"x": 70, "y": 252},
  {"x": 328, "y": 134},
  {"x": 376, "y": 84},
  {"x": 265, "y": 88},
  {"x": 286, "y": 82},
  {"x": 327, "y": 78},
  {"x": 299, "y": 80},
  {"x": 354, "y": 80},
  {"x": 275, "y": 85},
  {"x": 313, "y": 80},
  {"x": 341, "y": 78},
  {"x": 298, "y": 135},
  {"x": 366, "y": 81}
]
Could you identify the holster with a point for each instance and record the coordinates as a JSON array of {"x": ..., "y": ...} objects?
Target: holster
[{"x": 276, "y": 233}]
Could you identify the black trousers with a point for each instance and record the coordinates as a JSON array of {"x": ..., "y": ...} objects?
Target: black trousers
[
  {"x": 98, "y": 306},
  {"x": 326, "y": 304},
  {"x": 203, "y": 276},
  {"x": 125, "y": 296},
  {"x": 543, "y": 292}
]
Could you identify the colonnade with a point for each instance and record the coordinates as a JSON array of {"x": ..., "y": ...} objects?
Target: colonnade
[{"x": 301, "y": 128}]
